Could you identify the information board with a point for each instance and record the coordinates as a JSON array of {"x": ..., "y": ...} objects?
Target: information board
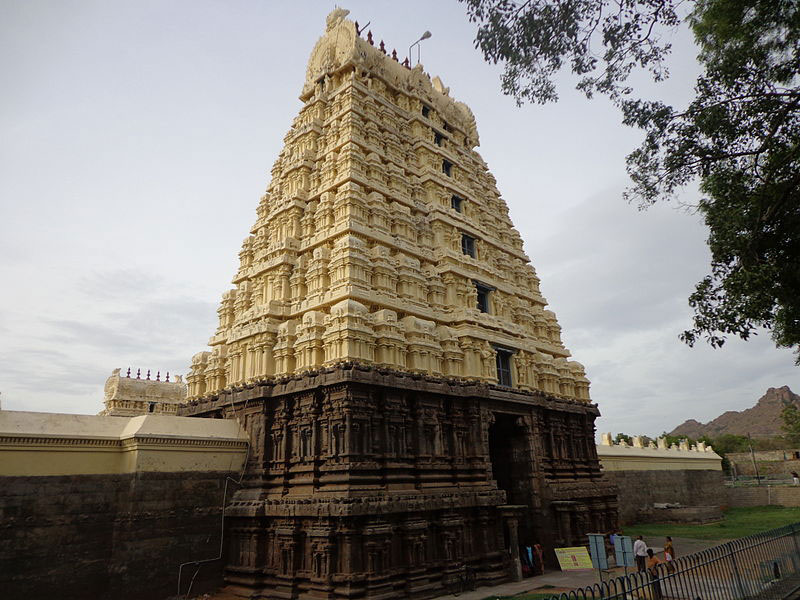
[
  {"x": 623, "y": 551},
  {"x": 573, "y": 559},
  {"x": 597, "y": 548}
]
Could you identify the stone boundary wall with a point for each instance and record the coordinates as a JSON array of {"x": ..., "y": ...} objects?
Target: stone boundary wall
[
  {"x": 763, "y": 496},
  {"x": 695, "y": 515},
  {"x": 639, "y": 490},
  {"x": 107, "y": 536},
  {"x": 775, "y": 463},
  {"x": 109, "y": 507},
  {"x": 655, "y": 472}
]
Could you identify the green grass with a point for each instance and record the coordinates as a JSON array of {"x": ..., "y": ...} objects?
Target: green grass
[{"x": 738, "y": 522}]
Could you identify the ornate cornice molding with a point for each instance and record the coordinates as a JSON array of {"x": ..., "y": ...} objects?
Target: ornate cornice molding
[{"x": 350, "y": 372}]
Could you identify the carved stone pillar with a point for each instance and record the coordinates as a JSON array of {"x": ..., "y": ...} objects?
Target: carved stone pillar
[
  {"x": 348, "y": 434},
  {"x": 511, "y": 514}
]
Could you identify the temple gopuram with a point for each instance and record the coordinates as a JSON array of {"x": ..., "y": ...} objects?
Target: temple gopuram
[{"x": 412, "y": 411}]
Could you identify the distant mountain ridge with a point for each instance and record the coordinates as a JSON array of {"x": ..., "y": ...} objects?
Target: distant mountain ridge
[{"x": 763, "y": 419}]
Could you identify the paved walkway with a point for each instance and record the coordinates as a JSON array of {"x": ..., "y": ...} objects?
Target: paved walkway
[
  {"x": 552, "y": 582},
  {"x": 686, "y": 546},
  {"x": 555, "y": 582}
]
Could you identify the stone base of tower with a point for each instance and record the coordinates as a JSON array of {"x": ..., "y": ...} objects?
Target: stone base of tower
[
  {"x": 405, "y": 552},
  {"x": 369, "y": 483}
]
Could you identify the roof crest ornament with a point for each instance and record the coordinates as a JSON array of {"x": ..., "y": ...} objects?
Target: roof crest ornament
[
  {"x": 342, "y": 45},
  {"x": 335, "y": 17}
]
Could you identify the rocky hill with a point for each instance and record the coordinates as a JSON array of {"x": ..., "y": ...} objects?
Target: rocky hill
[{"x": 764, "y": 419}]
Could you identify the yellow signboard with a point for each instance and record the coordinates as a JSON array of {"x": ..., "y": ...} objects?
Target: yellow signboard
[{"x": 573, "y": 559}]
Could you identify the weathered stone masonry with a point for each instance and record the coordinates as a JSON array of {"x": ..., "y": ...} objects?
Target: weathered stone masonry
[
  {"x": 366, "y": 481},
  {"x": 119, "y": 536},
  {"x": 109, "y": 507}
]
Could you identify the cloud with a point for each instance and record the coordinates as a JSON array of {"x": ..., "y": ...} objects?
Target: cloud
[
  {"x": 43, "y": 378},
  {"x": 125, "y": 263},
  {"x": 613, "y": 268},
  {"x": 109, "y": 318},
  {"x": 619, "y": 279},
  {"x": 120, "y": 283},
  {"x": 94, "y": 334}
]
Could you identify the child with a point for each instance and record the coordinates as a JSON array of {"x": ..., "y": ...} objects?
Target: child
[{"x": 669, "y": 555}]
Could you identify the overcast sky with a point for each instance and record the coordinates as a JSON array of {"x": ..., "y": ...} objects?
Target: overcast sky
[{"x": 136, "y": 138}]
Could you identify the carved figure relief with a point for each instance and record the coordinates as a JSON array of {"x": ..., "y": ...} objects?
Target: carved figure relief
[{"x": 386, "y": 449}]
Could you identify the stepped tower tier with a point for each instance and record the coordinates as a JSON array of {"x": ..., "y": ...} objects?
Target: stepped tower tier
[
  {"x": 413, "y": 413},
  {"x": 382, "y": 240}
]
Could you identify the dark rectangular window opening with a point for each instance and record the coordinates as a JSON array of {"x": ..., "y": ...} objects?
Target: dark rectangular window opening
[
  {"x": 446, "y": 126},
  {"x": 447, "y": 167},
  {"x": 503, "y": 360},
  {"x": 456, "y": 203},
  {"x": 468, "y": 245},
  {"x": 426, "y": 110},
  {"x": 483, "y": 298},
  {"x": 437, "y": 138}
]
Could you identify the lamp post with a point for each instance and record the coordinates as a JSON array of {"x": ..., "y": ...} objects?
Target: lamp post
[{"x": 425, "y": 36}]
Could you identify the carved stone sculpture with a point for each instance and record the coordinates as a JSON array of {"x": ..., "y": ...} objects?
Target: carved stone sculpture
[{"x": 404, "y": 425}]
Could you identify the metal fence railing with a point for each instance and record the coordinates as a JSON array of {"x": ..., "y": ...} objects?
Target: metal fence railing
[{"x": 765, "y": 565}]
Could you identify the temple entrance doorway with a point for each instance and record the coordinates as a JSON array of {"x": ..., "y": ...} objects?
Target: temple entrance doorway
[
  {"x": 509, "y": 453},
  {"x": 510, "y": 456}
]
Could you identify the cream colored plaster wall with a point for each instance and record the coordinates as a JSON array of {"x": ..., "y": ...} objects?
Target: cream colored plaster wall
[
  {"x": 59, "y": 444},
  {"x": 656, "y": 456}
]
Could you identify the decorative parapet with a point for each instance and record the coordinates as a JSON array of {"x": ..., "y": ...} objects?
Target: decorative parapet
[
  {"x": 36, "y": 444},
  {"x": 130, "y": 395},
  {"x": 655, "y": 455}
]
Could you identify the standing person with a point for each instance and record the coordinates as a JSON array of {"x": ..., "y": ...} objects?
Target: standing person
[
  {"x": 539, "y": 554},
  {"x": 652, "y": 569},
  {"x": 640, "y": 553},
  {"x": 795, "y": 478},
  {"x": 669, "y": 555}
]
